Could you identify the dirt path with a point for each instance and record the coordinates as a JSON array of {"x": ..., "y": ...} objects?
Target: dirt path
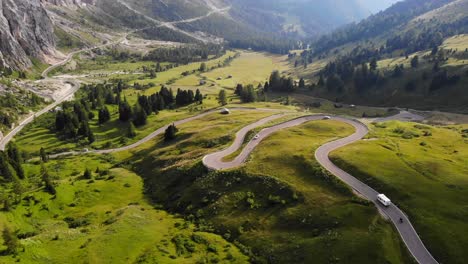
[{"x": 172, "y": 24}]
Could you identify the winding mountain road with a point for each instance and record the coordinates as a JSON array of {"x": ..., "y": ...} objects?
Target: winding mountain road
[
  {"x": 172, "y": 24},
  {"x": 407, "y": 232},
  {"x": 214, "y": 161},
  {"x": 76, "y": 85},
  {"x": 160, "y": 131}
]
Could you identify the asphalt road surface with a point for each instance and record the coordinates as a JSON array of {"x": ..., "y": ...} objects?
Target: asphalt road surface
[
  {"x": 161, "y": 131},
  {"x": 406, "y": 230},
  {"x": 4, "y": 141}
]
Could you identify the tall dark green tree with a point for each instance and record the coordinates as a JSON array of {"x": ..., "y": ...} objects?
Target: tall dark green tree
[
  {"x": 415, "y": 62},
  {"x": 198, "y": 96},
  {"x": 139, "y": 115},
  {"x": 91, "y": 137},
  {"x": 14, "y": 157},
  {"x": 6, "y": 169},
  {"x": 203, "y": 67},
  {"x": 249, "y": 94},
  {"x": 47, "y": 180},
  {"x": 88, "y": 174},
  {"x": 239, "y": 89},
  {"x": 44, "y": 156},
  {"x": 10, "y": 240},
  {"x": 125, "y": 111},
  {"x": 275, "y": 81},
  {"x": 222, "y": 98},
  {"x": 170, "y": 133},
  {"x": 301, "y": 83},
  {"x": 373, "y": 64},
  {"x": 131, "y": 130},
  {"x": 104, "y": 115}
]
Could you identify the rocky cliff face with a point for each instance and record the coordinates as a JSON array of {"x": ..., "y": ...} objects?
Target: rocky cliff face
[
  {"x": 26, "y": 32},
  {"x": 70, "y": 2}
]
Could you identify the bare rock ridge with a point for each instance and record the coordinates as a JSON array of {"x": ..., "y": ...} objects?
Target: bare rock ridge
[
  {"x": 70, "y": 2},
  {"x": 26, "y": 32}
]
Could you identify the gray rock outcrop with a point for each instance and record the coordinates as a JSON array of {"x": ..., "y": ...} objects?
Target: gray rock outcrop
[{"x": 26, "y": 32}]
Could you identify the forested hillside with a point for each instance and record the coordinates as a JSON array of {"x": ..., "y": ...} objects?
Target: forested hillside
[{"x": 410, "y": 55}]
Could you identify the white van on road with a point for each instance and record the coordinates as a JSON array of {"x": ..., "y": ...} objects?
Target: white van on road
[{"x": 384, "y": 200}]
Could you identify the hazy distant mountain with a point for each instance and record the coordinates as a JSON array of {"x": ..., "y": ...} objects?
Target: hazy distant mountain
[
  {"x": 310, "y": 17},
  {"x": 374, "y": 6}
]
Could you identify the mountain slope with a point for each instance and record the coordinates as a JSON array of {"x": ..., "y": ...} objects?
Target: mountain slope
[
  {"x": 25, "y": 32},
  {"x": 258, "y": 24},
  {"x": 414, "y": 55}
]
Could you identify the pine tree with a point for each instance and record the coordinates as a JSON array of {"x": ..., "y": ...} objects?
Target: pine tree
[
  {"x": 131, "y": 133},
  {"x": 415, "y": 62},
  {"x": 91, "y": 137},
  {"x": 248, "y": 94},
  {"x": 44, "y": 156},
  {"x": 10, "y": 240},
  {"x": 88, "y": 174},
  {"x": 222, "y": 99},
  {"x": 104, "y": 115},
  {"x": 203, "y": 67},
  {"x": 301, "y": 83},
  {"x": 266, "y": 87},
  {"x": 275, "y": 81},
  {"x": 84, "y": 129},
  {"x": 373, "y": 64},
  {"x": 49, "y": 185},
  {"x": 5, "y": 167},
  {"x": 14, "y": 156},
  {"x": 198, "y": 96},
  {"x": 321, "y": 81},
  {"x": 239, "y": 89},
  {"x": 125, "y": 111},
  {"x": 170, "y": 133},
  {"x": 139, "y": 116}
]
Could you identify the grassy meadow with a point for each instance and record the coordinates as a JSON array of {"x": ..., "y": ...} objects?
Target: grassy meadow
[
  {"x": 280, "y": 204},
  {"x": 112, "y": 134},
  {"x": 104, "y": 220},
  {"x": 423, "y": 169}
]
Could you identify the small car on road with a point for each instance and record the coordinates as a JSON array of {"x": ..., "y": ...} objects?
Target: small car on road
[{"x": 326, "y": 117}]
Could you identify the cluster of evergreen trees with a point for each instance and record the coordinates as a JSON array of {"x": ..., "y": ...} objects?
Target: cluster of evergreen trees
[
  {"x": 343, "y": 71},
  {"x": 247, "y": 94},
  {"x": 165, "y": 99},
  {"x": 278, "y": 83},
  {"x": 364, "y": 75},
  {"x": 185, "y": 54},
  {"x": 72, "y": 121},
  {"x": 12, "y": 174},
  {"x": 11, "y": 161}
]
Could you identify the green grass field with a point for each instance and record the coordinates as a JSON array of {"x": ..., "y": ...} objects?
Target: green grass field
[
  {"x": 105, "y": 220},
  {"x": 427, "y": 176},
  {"x": 112, "y": 134},
  {"x": 288, "y": 156},
  {"x": 293, "y": 214},
  {"x": 249, "y": 68}
]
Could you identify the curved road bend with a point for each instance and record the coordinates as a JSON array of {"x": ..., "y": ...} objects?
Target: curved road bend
[
  {"x": 160, "y": 131},
  {"x": 45, "y": 75},
  {"x": 75, "y": 87},
  {"x": 4, "y": 141},
  {"x": 406, "y": 229}
]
